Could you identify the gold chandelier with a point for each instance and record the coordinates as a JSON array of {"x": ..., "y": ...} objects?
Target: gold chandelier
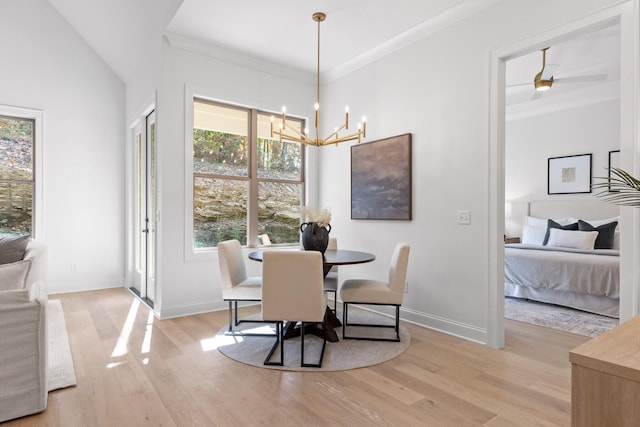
[{"x": 289, "y": 133}]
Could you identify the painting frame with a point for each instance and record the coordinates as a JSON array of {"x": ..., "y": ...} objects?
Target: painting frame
[
  {"x": 614, "y": 162},
  {"x": 381, "y": 175},
  {"x": 569, "y": 174}
]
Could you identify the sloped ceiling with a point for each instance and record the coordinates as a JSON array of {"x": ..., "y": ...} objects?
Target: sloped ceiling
[{"x": 124, "y": 33}]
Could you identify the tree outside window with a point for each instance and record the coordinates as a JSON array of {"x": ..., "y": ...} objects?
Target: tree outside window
[
  {"x": 242, "y": 176},
  {"x": 17, "y": 179}
]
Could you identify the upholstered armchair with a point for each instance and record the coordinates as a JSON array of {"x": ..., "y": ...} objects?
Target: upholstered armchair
[
  {"x": 236, "y": 284},
  {"x": 377, "y": 292},
  {"x": 292, "y": 290}
]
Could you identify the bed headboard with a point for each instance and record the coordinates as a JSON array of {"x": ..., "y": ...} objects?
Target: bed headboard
[{"x": 583, "y": 209}]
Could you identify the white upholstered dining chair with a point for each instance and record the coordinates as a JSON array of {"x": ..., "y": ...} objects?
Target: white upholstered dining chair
[
  {"x": 236, "y": 285},
  {"x": 292, "y": 290},
  {"x": 331, "y": 279},
  {"x": 376, "y": 292}
]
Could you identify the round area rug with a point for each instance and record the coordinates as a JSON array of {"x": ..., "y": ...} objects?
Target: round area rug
[{"x": 338, "y": 356}]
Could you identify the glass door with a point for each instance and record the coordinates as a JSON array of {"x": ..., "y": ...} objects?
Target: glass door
[{"x": 146, "y": 208}]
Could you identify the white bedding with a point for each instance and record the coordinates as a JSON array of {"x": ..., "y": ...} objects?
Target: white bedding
[{"x": 588, "y": 280}]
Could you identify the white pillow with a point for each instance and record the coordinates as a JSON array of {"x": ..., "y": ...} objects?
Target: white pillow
[
  {"x": 14, "y": 275},
  {"x": 532, "y": 235},
  {"x": 544, "y": 222},
  {"x": 572, "y": 238}
]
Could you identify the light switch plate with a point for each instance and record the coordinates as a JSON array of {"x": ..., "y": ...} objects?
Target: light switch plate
[{"x": 464, "y": 217}]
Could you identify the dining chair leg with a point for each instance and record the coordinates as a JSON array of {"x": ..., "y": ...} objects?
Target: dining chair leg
[
  {"x": 395, "y": 326},
  {"x": 279, "y": 342},
  {"x": 345, "y": 316},
  {"x": 234, "y": 321},
  {"x": 324, "y": 344}
]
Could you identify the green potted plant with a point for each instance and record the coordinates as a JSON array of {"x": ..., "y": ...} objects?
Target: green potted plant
[{"x": 620, "y": 188}]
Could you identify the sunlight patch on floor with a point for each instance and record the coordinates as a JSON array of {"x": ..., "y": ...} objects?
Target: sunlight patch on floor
[
  {"x": 123, "y": 340},
  {"x": 209, "y": 344}
]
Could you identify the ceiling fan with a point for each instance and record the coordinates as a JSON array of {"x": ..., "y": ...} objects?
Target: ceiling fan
[{"x": 544, "y": 80}]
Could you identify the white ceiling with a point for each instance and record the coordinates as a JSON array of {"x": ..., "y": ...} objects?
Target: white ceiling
[
  {"x": 283, "y": 32},
  {"x": 124, "y": 33}
]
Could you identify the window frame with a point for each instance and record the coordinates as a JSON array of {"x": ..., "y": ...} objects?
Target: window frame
[
  {"x": 200, "y": 254},
  {"x": 37, "y": 210}
]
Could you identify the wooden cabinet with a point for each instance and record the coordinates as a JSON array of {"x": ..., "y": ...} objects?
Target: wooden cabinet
[{"x": 605, "y": 378}]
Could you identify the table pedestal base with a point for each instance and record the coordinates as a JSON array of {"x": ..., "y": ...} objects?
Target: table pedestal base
[{"x": 292, "y": 329}]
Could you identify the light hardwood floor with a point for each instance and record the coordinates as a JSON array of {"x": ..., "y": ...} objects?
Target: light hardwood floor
[{"x": 134, "y": 370}]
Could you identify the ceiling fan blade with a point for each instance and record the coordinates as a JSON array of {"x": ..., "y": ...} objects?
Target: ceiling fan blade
[
  {"x": 581, "y": 79},
  {"x": 519, "y": 85},
  {"x": 548, "y": 71}
]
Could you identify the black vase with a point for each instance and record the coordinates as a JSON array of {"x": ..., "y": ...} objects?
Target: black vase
[{"x": 315, "y": 237}]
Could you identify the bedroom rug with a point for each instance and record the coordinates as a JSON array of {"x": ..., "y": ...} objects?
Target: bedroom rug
[
  {"x": 338, "y": 356},
  {"x": 61, "y": 370},
  {"x": 557, "y": 317}
]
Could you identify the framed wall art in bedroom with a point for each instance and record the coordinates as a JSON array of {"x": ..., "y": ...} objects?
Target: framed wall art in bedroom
[
  {"x": 569, "y": 174},
  {"x": 381, "y": 179}
]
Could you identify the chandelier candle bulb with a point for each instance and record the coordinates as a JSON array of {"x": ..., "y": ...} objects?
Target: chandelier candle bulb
[{"x": 346, "y": 117}]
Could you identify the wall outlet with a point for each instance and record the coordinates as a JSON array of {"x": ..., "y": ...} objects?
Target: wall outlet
[
  {"x": 74, "y": 267},
  {"x": 406, "y": 287},
  {"x": 464, "y": 217}
]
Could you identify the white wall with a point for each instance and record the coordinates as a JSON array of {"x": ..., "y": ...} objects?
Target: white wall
[
  {"x": 47, "y": 66},
  {"x": 437, "y": 89},
  {"x": 589, "y": 129},
  {"x": 189, "y": 283}
]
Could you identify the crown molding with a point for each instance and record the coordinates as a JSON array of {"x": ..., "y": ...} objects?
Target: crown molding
[
  {"x": 457, "y": 13},
  {"x": 234, "y": 57}
]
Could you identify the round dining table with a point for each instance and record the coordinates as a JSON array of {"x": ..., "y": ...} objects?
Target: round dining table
[{"x": 330, "y": 258}]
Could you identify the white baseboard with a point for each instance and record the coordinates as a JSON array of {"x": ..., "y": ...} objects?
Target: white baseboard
[
  {"x": 56, "y": 288},
  {"x": 444, "y": 325},
  {"x": 440, "y": 324},
  {"x": 199, "y": 308}
]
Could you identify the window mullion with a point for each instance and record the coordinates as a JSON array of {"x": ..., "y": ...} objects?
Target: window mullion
[{"x": 252, "y": 208}]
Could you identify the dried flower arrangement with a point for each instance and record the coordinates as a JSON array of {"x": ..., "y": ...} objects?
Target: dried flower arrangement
[{"x": 322, "y": 217}]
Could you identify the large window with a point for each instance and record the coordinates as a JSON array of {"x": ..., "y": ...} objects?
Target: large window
[
  {"x": 245, "y": 184},
  {"x": 17, "y": 178}
]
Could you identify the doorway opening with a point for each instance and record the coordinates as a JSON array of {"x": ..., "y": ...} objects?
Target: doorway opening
[
  {"x": 629, "y": 83},
  {"x": 576, "y": 119}
]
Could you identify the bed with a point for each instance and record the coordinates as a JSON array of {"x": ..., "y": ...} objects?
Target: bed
[{"x": 566, "y": 270}]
